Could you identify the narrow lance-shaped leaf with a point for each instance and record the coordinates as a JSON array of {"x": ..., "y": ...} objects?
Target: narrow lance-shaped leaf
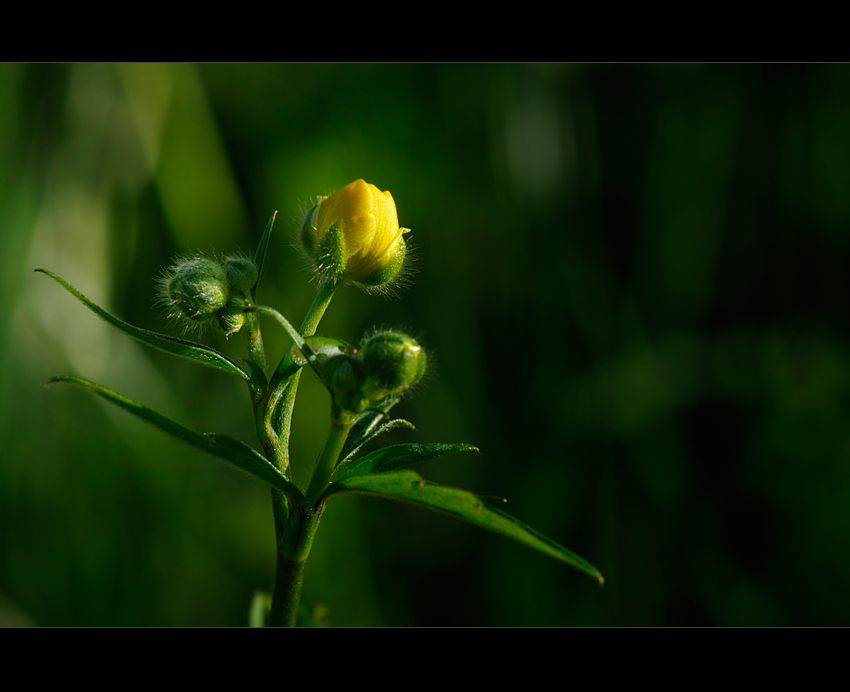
[
  {"x": 178, "y": 347},
  {"x": 391, "y": 458},
  {"x": 408, "y": 485},
  {"x": 258, "y": 377},
  {"x": 367, "y": 428},
  {"x": 371, "y": 423},
  {"x": 260, "y": 256},
  {"x": 250, "y": 460},
  {"x": 223, "y": 446}
]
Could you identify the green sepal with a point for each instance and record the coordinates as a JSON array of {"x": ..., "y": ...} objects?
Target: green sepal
[
  {"x": 178, "y": 347},
  {"x": 330, "y": 254},
  {"x": 220, "y": 445},
  {"x": 397, "y": 456},
  {"x": 260, "y": 256},
  {"x": 390, "y": 270},
  {"x": 409, "y": 486},
  {"x": 307, "y": 233}
]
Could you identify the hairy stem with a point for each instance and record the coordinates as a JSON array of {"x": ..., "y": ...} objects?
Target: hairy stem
[
  {"x": 308, "y": 328},
  {"x": 294, "y": 526},
  {"x": 327, "y": 460},
  {"x": 289, "y": 578},
  {"x": 292, "y": 552},
  {"x": 255, "y": 339}
]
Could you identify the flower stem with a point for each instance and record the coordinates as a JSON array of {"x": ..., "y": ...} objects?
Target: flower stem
[
  {"x": 294, "y": 526},
  {"x": 308, "y": 328},
  {"x": 289, "y": 577},
  {"x": 255, "y": 339},
  {"x": 292, "y": 553},
  {"x": 327, "y": 460}
]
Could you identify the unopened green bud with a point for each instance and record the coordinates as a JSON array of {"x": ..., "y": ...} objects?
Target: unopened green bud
[
  {"x": 344, "y": 376},
  {"x": 196, "y": 289},
  {"x": 393, "y": 362},
  {"x": 241, "y": 274},
  {"x": 341, "y": 371},
  {"x": 387, "y": 365}
]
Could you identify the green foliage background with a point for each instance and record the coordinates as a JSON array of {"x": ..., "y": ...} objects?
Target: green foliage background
[{"x": 632, "y": 280}]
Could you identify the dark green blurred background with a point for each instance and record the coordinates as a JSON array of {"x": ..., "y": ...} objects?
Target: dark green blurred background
[{"x": 632, "y": 281}]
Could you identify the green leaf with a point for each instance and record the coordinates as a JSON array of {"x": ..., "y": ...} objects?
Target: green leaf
[
  {"x": 258, "y": 377},
  {"x": 286, "y": 369},
  {"x": 364, "y": 428},
  {"x": 408, "y": 485},
  {"x": 368, "y": 427},
  {"x": 391, "y": 458},
  {"x": 178, "y": 347},
  {"x": 249, "y": 459},
  {"x": 260, "y": 257},
  {"x": 220, "y": 445}
]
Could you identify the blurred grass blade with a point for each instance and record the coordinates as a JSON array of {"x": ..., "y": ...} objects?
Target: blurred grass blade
[
  {"x": 178, "y": 347},
  {"x": 260, "y": 257},
  {"x": 223, "y": 446},
  {"x": 391, "y": 458},
  {"x": 408, "y": 485},
  {"x": 258, "y": 616},
  {"x": 368, "y": 427}
]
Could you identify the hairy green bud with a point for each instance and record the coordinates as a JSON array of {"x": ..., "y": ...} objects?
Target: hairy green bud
[
  {"x": 340, "y": 370},
  {"x": 241, "y": 274},
  {"x": 196, "y": 289},
  {"x": 386, "y": 366},
  {"x": 344, "y": 376},
  {"x": 393, "y": 362}
]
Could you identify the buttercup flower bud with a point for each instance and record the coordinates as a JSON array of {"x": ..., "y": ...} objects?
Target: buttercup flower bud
[
  {"x": 393, "y": 362},
  {"x": 340, "y": 370},
  {"x": 385, "y": 367},
  {"x": 241, "y": 274},
  {"x": 354, "y": 234},
  {"x": 196, "y": 289},
  {"x": 343, "y": 376}
]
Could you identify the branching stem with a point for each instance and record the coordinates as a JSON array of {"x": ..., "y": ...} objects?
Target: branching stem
[
  {"x": 327, "y": 461},
  {"x": 295, "y": 526}
]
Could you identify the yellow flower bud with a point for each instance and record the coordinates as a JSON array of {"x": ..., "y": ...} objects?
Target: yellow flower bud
[{"x": 366, "y": 242}]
